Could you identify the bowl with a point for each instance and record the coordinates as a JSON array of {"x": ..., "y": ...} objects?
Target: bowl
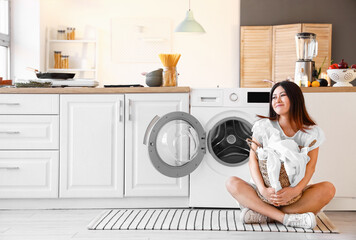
[
  {"x": 342, "y": 77},
  {"x": 154, "y": 81}
]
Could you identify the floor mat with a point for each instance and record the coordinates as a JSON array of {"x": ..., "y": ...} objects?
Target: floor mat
[{"x": 193, "y": 219}]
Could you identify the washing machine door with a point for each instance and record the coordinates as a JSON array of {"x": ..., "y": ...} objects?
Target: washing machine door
[{"x": 176, "y": 143}]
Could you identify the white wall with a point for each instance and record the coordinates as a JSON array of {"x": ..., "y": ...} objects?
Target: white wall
[
  {"x": 25, "y": 37},
  {"x": 207, "y": 60}
]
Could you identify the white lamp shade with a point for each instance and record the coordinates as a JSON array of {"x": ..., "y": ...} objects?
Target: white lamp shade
[{"x": 189, "y": 25}]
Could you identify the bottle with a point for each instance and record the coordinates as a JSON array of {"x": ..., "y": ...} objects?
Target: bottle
[
  {"x": 57, "y": 59},
  {"x": 301, "y": 79}
]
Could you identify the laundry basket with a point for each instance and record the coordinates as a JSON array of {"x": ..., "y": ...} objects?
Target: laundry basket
[{"x": 283, "y": 177}]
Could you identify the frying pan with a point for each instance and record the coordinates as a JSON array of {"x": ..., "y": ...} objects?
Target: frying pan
[{"x": 52, "y": 75}]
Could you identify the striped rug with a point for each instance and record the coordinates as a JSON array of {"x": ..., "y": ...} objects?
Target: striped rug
[{"x": 193, "y": 219}]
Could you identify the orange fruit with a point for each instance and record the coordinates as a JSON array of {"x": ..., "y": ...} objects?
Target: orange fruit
[
  {"x": 309, "y": 83},
  {"x": 315, "y": 84}
]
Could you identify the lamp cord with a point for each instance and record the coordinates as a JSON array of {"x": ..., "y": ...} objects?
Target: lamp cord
[{"x": 189, "y": 5}]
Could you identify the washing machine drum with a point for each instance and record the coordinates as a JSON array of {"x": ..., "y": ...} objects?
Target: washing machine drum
[{"x": 227, "y": 141}]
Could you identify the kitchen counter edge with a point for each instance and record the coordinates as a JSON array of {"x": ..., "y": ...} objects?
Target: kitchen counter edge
[{"x": 85, "y": 90}]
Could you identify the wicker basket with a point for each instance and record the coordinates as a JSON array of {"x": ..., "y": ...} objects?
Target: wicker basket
[{"x": 283, "y": 179}]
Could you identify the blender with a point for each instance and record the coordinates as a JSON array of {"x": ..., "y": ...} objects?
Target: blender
[{"x": 307, "y": 49}]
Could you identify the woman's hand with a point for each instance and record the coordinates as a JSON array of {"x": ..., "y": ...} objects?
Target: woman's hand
[
  {"x": 269, "y": 194},
  {"x": 285, "y": 195}
]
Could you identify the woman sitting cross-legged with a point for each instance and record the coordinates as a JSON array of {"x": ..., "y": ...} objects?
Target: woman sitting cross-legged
[{"x": 288, "y": 123}]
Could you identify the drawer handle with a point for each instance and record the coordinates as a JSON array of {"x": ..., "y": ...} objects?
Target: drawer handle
[
  {"x": 208, "y": 99},
  {"x": 130, "y": 104},
  {"x": 10, "y": 132},
  {"x": 11, "y": 104},
  {"x": 121, "y": 108},
  {"x": 10, "y": 168}
]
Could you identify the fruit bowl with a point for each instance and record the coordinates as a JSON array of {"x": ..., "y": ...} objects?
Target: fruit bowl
[{"x": 342, "y": 77}]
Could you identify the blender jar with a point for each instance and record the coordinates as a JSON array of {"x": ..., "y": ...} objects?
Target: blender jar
[{"x": 307, "y": 46}]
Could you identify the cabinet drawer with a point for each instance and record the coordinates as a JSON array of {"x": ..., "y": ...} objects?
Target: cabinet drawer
[
  {"x": 29, "y": 132},
  {"x": 29, "y": 104},
  {"x": 29, "y": 174}
]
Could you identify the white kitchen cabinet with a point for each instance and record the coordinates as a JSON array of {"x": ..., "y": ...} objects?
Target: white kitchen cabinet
[
  {"x": 91, "y": 146},
  {"x": 335, "y": 114},
  {"x": 141, "y": 178},
  {"x": 29, "y": 143}
]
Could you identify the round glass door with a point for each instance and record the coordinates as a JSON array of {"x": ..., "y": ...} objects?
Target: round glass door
[
  {"x": 176, "y": 144},
  {"x": 227, "y": 141}
]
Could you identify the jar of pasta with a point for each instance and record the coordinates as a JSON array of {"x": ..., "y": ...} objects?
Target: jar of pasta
[
  {"x": 65, "y": 61},
  {"x": 57, "y": 59},
  {"x": 169, "y": 77}
]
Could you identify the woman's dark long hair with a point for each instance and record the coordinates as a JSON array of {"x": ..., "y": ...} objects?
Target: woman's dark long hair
[{"x": 298, "y": 112}]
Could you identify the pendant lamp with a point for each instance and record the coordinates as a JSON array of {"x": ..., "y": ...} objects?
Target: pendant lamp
[{"x": 189, "y": 25}]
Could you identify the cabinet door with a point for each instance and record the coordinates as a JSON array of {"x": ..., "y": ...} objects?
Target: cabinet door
[
  {"x": 255, "y": 56},
  {"x": 91, "y": 146},
  {"x": 141, "y": 178},
  {"x": 336, "y": 160},
  {"x": 284, "y": 51}
]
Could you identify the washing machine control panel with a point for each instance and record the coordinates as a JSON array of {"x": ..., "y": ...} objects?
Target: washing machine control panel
[{"x": 234, "y": 97}]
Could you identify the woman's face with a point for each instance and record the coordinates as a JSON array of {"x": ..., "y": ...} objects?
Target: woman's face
[{"x": 280, "y": 101}]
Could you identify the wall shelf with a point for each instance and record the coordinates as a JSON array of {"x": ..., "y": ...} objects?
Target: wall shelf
[{"x": 82, "y": 55}]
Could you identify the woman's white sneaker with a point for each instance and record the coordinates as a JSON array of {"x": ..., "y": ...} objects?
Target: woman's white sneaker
[
  {"x": 305, "y": 220},
  {"x": 249, "y": 216}
]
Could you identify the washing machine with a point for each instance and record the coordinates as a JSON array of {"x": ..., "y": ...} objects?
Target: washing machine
[{"x": 209, "y": 144}]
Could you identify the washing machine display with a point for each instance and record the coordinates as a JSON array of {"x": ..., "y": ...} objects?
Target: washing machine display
[{"x": 227, "y": 141}]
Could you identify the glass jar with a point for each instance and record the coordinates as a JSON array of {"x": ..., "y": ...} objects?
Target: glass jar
[
  {"x": 73, "y": 34},
  {"x": 169, "y": 77},
  {"x": 69, "y": 33},
  {"x": 57, "y": 59},
  {"x": 65, "y": 61},
  {"x": 61, "y": 35}
]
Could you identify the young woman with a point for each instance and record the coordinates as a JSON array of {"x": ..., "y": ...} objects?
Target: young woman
[{"x": 287, "y": 114}]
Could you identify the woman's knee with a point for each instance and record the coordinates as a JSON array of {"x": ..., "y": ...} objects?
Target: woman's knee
[
  {"x": 233, "y": 184},
  {"x": 329, "y": 189}
]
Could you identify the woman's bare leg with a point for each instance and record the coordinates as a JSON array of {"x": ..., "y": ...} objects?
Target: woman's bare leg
[
  {"x": 247, "y": 196},
  {"x": 313, "y": 199}
]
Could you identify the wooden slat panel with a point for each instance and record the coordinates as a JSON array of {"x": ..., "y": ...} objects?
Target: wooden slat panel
[
  {"x": 255, "y": 56},
  {"x": 323, "y": 36},
  {"x": 284, "y": 51}
]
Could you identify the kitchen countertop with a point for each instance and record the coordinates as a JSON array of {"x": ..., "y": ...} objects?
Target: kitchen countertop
[
  {"x": 99, "y": 90},
  {"x": 328, "y": 89}
]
